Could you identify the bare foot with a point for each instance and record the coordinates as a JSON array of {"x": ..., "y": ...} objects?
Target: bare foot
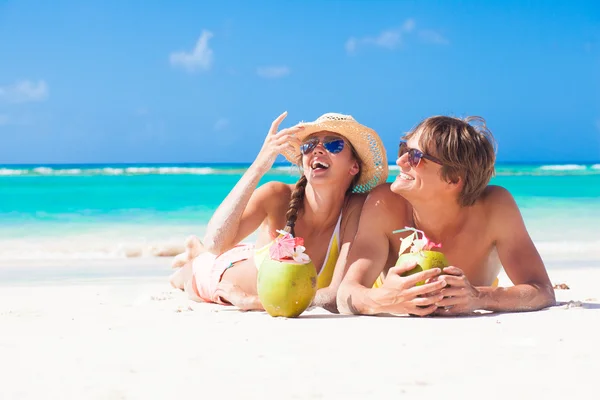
[
  {"x": 193, "y": 248},
  {"x": 182, "y": 279},
  {"x": 178, "y": 278}
]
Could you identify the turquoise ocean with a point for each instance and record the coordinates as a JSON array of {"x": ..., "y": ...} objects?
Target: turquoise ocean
[{"x": 144, "y": 210}]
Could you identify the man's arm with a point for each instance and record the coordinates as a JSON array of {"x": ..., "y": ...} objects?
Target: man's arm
[
  {"x": 523, "y": 264},
  {"x": 367, "y": 258}
]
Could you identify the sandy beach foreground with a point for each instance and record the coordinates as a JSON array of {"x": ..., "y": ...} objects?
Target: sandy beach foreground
[{"x": 137, "y": 338}]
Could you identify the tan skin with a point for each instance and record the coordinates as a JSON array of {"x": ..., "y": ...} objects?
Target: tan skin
[
  {"x": 247, "y": 209},
  {"x": 238, "y": 284},
  {"x": 477, "y": 240}
]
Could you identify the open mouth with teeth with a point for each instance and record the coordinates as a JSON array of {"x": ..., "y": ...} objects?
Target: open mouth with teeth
[
  {"x": 406, "y": 176},
  {"x": 319, "y": 165}
]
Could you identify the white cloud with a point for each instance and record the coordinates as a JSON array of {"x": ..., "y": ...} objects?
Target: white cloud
[
  {"x": 4, "y": 119},
  {"x": 221, "y": 124},
  {"x": 273, "y": 72},
  {"x": 388, "y": 39},
  {"x": 392, "y": 39},
  {"x": 351, "y": 45},
  {"x": 433, "y": 37},
  {"x": 24, "y": 91},
  {"x": 201, "y": 56},
  {"x": 409, "y": 25}
]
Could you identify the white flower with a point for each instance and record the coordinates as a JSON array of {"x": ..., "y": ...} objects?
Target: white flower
[
  {"x": 406, "y": 242},
  {"x": 418, "y": 245},
  {"x": 299, "y": 256}
]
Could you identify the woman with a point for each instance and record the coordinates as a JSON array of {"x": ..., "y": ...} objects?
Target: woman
[{"x": 341, "y": 161}]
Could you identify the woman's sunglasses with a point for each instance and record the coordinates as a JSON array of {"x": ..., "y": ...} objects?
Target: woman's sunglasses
[
  {"x": 414, "y": 155},
  {"x": 332, "y": 144}
]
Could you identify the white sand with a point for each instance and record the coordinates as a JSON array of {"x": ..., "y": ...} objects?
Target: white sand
[{"x": 140, "y": 339}]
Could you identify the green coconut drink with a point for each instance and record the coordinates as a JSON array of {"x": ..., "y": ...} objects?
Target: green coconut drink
[
  {"x": 287, "y": 279},
  {"x": 420, "y": 253}
]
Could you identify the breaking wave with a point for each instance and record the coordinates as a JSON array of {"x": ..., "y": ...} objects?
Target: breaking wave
[{"x": 139, "y": 170}]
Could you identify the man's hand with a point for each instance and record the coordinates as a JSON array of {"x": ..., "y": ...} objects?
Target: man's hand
[
  {"x": 460, "y": 297},
  {"x": 401, "y": 296}
]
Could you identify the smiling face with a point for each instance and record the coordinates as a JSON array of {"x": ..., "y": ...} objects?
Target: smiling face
[
  {"x": 458, "y": 160},
  {"x": 419, "y": 175},
  {"x": 327, "y": 158}
]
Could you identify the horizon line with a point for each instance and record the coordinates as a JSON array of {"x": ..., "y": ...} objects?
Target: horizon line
[{"x": 276, "y": 164}]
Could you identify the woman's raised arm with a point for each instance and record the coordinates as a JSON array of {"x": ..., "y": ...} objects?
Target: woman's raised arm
[{"x": 243, "y": 210}]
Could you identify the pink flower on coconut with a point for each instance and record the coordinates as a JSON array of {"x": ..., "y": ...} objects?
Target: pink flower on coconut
[
  {"x": 283, "y": 247},
  {"x": 287, "y": 247}
]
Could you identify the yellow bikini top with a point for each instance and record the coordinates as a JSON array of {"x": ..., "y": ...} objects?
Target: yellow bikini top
[{"x": 325, "y": 274}]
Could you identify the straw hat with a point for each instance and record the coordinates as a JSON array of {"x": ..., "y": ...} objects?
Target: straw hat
[{"x": 366, "y": 142}]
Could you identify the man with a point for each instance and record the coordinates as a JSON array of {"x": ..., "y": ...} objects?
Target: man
[{"x": 442, "y": 189}]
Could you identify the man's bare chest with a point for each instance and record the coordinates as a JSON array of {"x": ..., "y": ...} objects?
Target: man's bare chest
[{"x": 473, "y": 253}]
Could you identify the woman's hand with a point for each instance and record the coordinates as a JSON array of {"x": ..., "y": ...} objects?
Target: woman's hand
[{"x": 276, "y": 142}]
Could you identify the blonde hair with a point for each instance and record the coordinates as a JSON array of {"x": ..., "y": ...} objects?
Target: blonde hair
[{"x": 466, "y": 148}]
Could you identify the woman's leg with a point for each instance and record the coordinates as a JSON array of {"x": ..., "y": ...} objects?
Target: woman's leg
[
  {"x": 227, "y": 279},
  {"x": 193, "y": 248},
  {"x": 238, "y": 286},
  {"x": 184, "y": 262}
]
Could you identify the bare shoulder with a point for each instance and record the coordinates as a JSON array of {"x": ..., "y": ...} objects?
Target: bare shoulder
[
  {"x": 503, "y": 213},
  {"x": 275, "y": 189},
  {"x": 383, "y": 198},
  {"x": 384, "y": 210},
  {"x": 274, "y": 196},
  {"x": 497, "y": 199}
]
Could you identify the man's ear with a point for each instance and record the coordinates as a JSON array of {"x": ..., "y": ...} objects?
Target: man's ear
[
  {"x": 453, "y": 179},
  {"x": 456, "y": 181},
  {"x": 455, "y": 184}
]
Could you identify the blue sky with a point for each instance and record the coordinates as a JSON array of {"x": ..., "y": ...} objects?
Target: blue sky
[{"x": 148, "y": 81}]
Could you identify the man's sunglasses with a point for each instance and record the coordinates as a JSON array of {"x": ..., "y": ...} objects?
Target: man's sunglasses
[
  {"x": 414, "y": 155},
  {"x": 332, "y": 144}
]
